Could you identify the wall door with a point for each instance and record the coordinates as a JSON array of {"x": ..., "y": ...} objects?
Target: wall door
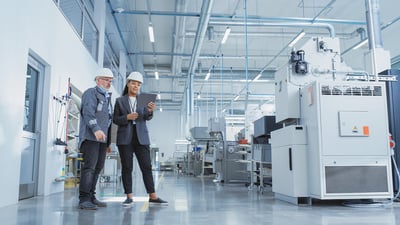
[{"x": 31, "y": 129}]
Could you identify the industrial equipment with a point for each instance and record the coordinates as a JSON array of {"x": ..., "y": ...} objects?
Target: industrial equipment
[
  {"x": 334, "y": 144},
  {"x": 260, "y": 152},
  {"x": 198, "y": 158},
  {"x": 289, "y": 158},
  {"x": 226, "y": 154}
]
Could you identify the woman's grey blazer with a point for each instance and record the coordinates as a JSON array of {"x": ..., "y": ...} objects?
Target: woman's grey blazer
[{"x": 125, "y": 126}]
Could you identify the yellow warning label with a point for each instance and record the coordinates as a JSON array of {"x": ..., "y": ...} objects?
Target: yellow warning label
[{"x": 355, "y": 129}]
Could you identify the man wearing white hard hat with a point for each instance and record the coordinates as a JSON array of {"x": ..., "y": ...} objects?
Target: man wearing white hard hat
[
  {"x": 94, "y": 138},
  {"x": 133, "y": 137}
]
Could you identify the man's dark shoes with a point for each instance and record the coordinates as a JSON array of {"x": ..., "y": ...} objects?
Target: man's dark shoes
[
  {"x": 88, "y": 205},
  {"x": 99, "y": 203},
  {"x": 157, "y": 201}
]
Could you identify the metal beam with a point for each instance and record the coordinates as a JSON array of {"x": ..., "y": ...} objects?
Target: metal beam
[{"x": 238, "y": 17}]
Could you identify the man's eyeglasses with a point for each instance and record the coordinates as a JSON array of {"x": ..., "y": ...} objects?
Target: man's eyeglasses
[{"x": 106, "y": 79}]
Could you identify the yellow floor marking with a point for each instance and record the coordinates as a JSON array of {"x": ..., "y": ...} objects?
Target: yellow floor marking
[{"x": 145, "y": 206}]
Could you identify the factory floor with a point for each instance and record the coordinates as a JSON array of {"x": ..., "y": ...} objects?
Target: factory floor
[{"x": 195, "y": 201}]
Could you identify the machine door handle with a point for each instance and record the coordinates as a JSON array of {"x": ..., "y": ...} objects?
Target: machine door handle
[{"x": 290, "y": 159}]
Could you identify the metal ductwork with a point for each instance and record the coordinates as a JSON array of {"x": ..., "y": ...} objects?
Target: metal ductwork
[
  {"x": 201, "y": 30},
  {"x": 373, "y": 24},
  {"x": 330, "y": 28}
]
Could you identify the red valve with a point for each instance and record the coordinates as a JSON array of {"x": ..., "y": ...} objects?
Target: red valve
[{"x": 391, "y": 142}]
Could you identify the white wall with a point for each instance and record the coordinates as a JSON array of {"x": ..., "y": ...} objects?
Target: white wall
[
  {"x": 164, "y": 130},
  {"x": 39, "y": 27},
  {"x": 13, "y": 61}
]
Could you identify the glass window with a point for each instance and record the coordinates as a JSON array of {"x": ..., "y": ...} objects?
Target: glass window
[
  {"x": 396, "y": 62},
  {"x": 30, "y": 99},
  {"x": 73, "y": 12},
  {"x": 78, "y": 13},
  {"x": 90, "y": 37},
  {"x": 89, "y": 6}
]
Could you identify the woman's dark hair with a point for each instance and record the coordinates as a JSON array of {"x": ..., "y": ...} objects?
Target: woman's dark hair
[{"x": 125, "y": 92}]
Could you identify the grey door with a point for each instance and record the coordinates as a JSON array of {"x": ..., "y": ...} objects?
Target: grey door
[{"x": 31, "y": 130}]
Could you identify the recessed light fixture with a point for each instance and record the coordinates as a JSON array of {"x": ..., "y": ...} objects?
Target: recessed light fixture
[
  {"x": 156, "y": 74},
  {"x": 207, "y": 76},
  {"x": 257, "y": 77},
  {"x": 360, "y": 44},
  {"x": 226, "y": 35},
  {"x": 296, "y": 39},
  {"x": 151, "y": 33}
]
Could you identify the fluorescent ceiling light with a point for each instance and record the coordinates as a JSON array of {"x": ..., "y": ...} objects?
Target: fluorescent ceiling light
[
  {"x": 236, "y": 98},
  {"x": 235, "y": 118},
  {"x": 226, "y": 35},
  {"x": 198, "y": 96},
  {"x": 119, "y": 10},
  {"x": 156, "y": 74},
  {"x": 151, "y": 33},
  {"x": 181, "y": 142},
  {"x": 360, "y": 44},
  {"x": 296, "y": 39},
  {"x": 160, "y": 109},
  {"x": 207, "y": 76},
  {"x": 158, "y": 96},
  {"x": 257, "y": 77}
]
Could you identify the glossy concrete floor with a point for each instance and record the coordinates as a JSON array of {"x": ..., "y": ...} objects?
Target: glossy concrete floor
[{"x": 195, "y": 201}]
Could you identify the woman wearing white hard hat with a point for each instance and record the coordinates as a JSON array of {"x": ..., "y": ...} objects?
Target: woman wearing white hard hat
[{"x": 133, "y": 137}]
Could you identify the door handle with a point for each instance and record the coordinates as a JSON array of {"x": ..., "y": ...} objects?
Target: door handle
[{"x": 290, "y": 159}]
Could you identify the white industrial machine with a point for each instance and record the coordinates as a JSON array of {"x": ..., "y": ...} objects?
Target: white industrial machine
[{"x": 334, "y": 143}]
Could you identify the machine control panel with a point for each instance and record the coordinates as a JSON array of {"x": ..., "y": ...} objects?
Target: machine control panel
[{"x": 354, "y": 124}]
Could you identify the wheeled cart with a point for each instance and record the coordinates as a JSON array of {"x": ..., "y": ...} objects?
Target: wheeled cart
[
  {"x": 110, "y": 171},
  {"x": 260, "y": 166}
]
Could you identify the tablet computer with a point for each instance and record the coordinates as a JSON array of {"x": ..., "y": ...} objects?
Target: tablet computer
[{"x": 145, "y": 98}]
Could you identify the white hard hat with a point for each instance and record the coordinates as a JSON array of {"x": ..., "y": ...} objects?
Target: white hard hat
[
  {"x": 104, "y": 72},
  {"x": 135, "y": 76}
]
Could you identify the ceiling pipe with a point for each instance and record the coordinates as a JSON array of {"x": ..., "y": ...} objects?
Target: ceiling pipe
[
  {"x": 374, "y": 32},
  {"x": 381, "y": 28},
  {"x": 216, "y": 58},
  {"x": 270, "y": 34},
  {"x": 163, "y": 93},
  {"x": 235, "y": 73},
  {"x": 329, "y": 27},
  {"x": 361, "y": 31},
  {"x": 390, "y": 23},
  {"x": 120, "y": 33},
  {"x": 215, "y": 17},
  {"x": 246, "y": 103},
  {"x": 169, "y": 102},
  {"x": 151, "y": 36},
  {"x": 373, "y": 24},
  {"x": 201, "y": 30},
  {"x": 204, "y": 56},
  {"x": 323, "y": 10},
  {"x": 210, "y": 33},
  {"x": 179, "y": 36}
]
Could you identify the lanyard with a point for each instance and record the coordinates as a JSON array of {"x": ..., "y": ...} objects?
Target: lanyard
[{"x": 132, "y": 105}]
